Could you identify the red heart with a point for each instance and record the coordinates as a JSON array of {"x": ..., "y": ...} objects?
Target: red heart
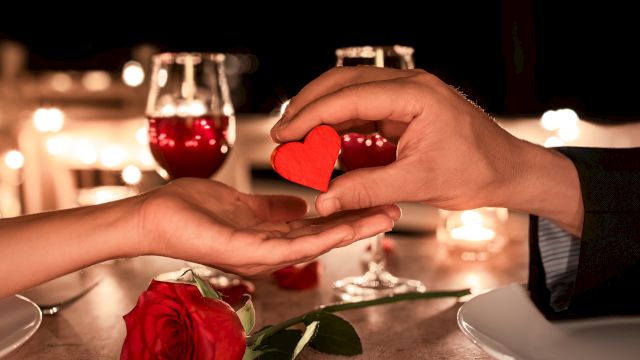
[{"x": 309, "y": 163}]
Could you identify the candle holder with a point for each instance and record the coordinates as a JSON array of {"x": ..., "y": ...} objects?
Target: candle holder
[{"x": 474, "y": 235}]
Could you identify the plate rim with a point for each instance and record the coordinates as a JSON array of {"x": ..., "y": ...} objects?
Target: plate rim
[
  {"x": 504, "y": 354},
  {"x": 17, "y": 344}
]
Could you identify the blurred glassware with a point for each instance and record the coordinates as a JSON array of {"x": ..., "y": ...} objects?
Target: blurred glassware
[
  {"x": 365, "y": 150},
  {"x": 192, "y": 124}
]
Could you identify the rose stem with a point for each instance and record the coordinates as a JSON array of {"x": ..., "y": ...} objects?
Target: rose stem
[{"x": 270, "y": 331}]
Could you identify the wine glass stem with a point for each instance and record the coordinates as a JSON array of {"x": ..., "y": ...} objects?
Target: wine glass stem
[{"x": 377, "y": 263}]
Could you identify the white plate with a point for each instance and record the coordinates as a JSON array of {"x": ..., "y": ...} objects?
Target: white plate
[
  {"x": 507, "y": 325},
  {"x": 19, "y": 320}
]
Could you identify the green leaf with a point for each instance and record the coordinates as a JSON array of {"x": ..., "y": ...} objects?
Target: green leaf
[
  {"x": 257, "y": 337},
  {"x": 250, "y": 354},
  {"x": 247, "y": 315},
  {"x": 280, "y": 346},
  {"x": 308, "y": 335},
  {"x": 205, "y": 288},
  {"x": 335, "y": 335}
]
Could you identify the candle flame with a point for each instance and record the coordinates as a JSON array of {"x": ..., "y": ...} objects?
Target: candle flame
[
  {"x": 471, "y": 218},
  {"x": 472, "y": 228}
]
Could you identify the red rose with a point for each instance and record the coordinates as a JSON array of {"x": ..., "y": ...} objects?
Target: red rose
[
  {"x": 174, "y": 321},
  {"x": 298, "y": 277}
]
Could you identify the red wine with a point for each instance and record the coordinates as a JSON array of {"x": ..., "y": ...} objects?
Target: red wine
[
  {"x": 189, "y": 146},
  {"x": 360, "y": 151}
]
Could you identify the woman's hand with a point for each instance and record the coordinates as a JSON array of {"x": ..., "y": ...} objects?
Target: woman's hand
[
  {"x": 192, "y": 219},
  {"x": 210, "y": 223}
]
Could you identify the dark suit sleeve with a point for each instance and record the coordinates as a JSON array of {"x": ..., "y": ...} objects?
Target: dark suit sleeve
[{"x": 609, "y": 269}]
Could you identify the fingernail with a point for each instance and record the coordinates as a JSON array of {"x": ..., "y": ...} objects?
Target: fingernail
[
  {"x": 274, "y": 132},
  {"x": 393, "y": 215},
  {"x": 393, "y": 211},
  {"x": 330, "y": 206},
  {"x": 348, "y": 237},
  {"x": 393, "y": 224}
]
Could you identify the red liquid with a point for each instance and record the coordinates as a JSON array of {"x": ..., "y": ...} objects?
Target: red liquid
[
  {"x": 189, "y": 146},
  {"x": 360, "y": 151}
]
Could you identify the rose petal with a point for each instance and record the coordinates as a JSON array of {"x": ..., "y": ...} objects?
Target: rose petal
[
  {"x": 298, "y": 277},
  {"x": 233, "y": 293}
]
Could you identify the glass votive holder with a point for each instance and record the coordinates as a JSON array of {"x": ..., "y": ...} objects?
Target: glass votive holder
[{"x": 473, "y": 234}]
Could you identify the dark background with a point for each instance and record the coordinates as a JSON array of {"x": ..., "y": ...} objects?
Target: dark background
[{"x": 512, "y": 57}]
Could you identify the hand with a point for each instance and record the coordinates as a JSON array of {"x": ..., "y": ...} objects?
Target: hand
[
  {"x": 450, "y": 153},
  {"x": 210, "y": 223},
  {"x": 443, "y": 138}
]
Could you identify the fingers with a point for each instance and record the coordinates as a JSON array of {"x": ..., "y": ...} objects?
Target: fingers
[
  {"x": 256, "y": 249},
  {"x": 364, "y": 227},
  {"x": 346, "y": 217},
  {"x": 370, "y": 226},
  {"x": 392, "y": 130},
  {"x": 284, "y": 250},
  {"x": 357, "y": 126},
  {"x": 337, "y": 78},
  {"x": 373, "y": 101},
  {"x": 315, "y": 244},
  {"x": 363, "y": 188},
  {"x": 276, "y": 208}
]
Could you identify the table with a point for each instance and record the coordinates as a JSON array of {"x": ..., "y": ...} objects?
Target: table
[{"x": 92, "y": 328}]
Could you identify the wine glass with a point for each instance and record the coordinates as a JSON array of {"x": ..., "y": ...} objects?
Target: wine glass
[
  {"x": 191, "y": 117},
  {"x": 368, "y": 150}
]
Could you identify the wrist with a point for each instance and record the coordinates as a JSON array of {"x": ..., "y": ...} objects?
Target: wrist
[
  {"x": 149, "y": 226},
  {"x": 116, "y": 225},
  {"x": 545, "y": 183},
  {"x": 136, "y": 225}
]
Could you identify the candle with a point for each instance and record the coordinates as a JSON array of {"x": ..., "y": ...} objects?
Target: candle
[
  {"x": 472, "y": 228},
  {"x": 473, "y": 234}
]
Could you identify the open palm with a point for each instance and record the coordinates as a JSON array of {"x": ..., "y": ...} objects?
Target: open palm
[{"x": 208, "y": 222}]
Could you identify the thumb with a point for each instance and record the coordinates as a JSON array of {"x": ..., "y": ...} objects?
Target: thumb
[{"x": 362, "y": 188}]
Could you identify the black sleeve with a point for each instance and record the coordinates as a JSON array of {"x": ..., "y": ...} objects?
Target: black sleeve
[{"x": 609, "y": 269}]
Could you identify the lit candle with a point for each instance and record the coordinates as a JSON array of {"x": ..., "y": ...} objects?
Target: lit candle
[
  {"x": 473, "y": 234},
  {"x": 472, "y": 228}
]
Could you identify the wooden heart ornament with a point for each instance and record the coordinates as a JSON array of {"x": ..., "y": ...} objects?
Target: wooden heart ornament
[{"x": 311, "y": 162}]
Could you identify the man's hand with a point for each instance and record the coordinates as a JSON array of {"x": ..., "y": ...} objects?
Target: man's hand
[{"x": 451, "y": 154}]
